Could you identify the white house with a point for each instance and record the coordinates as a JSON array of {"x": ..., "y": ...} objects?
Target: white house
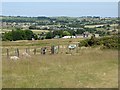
[{"x": 69, "y": 37}]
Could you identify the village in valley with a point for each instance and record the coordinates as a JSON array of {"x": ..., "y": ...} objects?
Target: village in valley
[{"x": 63, "y": 27}]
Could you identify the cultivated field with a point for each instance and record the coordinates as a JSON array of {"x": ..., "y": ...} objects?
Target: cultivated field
[{"x": 88, "y": 68}]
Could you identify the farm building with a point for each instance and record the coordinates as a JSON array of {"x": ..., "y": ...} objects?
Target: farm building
[
  {"x": 88, "y": 35},
  {"x": 79, "y": 36},
  {"x": 69, "y": 37},
  {"x": 97, "y": 26},
  {"x": 57, "y": 36}
]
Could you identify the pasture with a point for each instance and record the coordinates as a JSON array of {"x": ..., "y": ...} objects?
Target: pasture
[
  {"x": 93, "y": 26},
  {"x": 34, "y": 31},
  {"x": 39, "y": 31},
  {"x": 88, "y": 68}
]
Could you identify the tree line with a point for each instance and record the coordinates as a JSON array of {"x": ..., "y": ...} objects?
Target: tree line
[{"x": 18, "y": 35}]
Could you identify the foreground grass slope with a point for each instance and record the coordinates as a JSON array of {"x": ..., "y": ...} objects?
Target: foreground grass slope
[{"x": 89, "y": 68}]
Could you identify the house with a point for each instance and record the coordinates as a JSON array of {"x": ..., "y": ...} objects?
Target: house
[
  {"x": 69, "y": 37},
  {"x": 97, "y": 26},
  {"x": 79, "y": 36},
  {"x": 86, "y": 34},
  {"x": 89, "y": 35},
  {"x": 57, "y": 36}
]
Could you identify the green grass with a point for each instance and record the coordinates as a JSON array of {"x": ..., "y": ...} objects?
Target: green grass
[{"x": 89, "y": 68}]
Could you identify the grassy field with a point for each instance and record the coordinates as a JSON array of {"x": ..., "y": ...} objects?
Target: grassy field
[
  {"x": 39, "y": 31},
  {"x": 46, "y": 42},
  {"x": 34, "y": 31},
  {"x": 88, "y": 68},
  {"x": 93, "y": 26}
]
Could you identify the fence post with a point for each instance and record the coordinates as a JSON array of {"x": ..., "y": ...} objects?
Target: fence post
[
  {"x": 8, "y": 53},
  {"x": 58, "y": 49},
  {"x": 68, "y": 49},
  {"x": 34, "y": 51},
  {"x": 77, "y": 48},
  {"x": 28, "y": 50},
  {"x": 41, "y": 50},
  {"x": 52, "y": 50},
  {"x": 17, "y": 52}
]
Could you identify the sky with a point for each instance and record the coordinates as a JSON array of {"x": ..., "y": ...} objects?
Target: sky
[
  {"x": 72, "y": 9},
  {"x": 60, "y": 0}
]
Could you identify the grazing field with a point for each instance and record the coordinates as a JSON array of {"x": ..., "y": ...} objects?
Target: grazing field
[
  {"x": 93, "y": 26},
  {"x": 47, "y": 42},
  {"x": 34, "y": 31},
  {"x": 88, "y": 69},
  {"x": 39, "y": 31}
]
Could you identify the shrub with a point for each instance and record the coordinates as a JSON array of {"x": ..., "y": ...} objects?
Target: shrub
[{"x": 107, "y": 42}]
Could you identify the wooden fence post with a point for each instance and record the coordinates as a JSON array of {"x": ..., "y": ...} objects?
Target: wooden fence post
[
  {"x": 8, "y": 53},
  {"x": 17, "y": 52},
  {"x": 43, "y": 50},
  {"x": 52, "y": 50},
  {"x": 28, "y": 50},
  {"x": 34, "y": 51},
  {"x": 58, "y": 47}
]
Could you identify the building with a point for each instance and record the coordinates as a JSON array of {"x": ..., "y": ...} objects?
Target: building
[
  {"x": 57, "y": 36},
  {"x": 69, "y": 37}
]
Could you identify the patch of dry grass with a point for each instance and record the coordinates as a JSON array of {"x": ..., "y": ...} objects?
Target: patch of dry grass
[
  {"x": 89, "y": 68},
  {"x": 39, "y": 31},
  {"x": 46, "y": 42}
]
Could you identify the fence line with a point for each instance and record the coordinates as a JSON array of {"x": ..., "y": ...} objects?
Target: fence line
[{"x": 44, "y": 50}]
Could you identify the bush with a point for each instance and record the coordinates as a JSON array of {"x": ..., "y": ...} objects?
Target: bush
[
  {"x": 84, "y": 43},
  {"x": 106, "y": 42}
]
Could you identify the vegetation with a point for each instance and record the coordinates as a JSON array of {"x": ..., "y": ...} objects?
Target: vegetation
[
  {"x": 105, "y": 42},
  {"x": 60, "y": 33},
  {"x": 90, "y": 69},
  {"x": 56, "y": 27},
  {"x": 86, "y": 67},
  {"x": 18, "y": 35}
]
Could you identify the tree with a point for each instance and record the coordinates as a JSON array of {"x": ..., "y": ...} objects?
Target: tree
[
  {"x": 32, "y": 27},
  {"x": 7, "y": 36},
  {"x": 18, "y": 35},
  {"x": 81, "y": 31},
  {"x": 66, "y": 33},
  {"x": 92, "y": 41},
  {"x": 29, "y": 34},
  {"x": 49, "y": 35}
]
